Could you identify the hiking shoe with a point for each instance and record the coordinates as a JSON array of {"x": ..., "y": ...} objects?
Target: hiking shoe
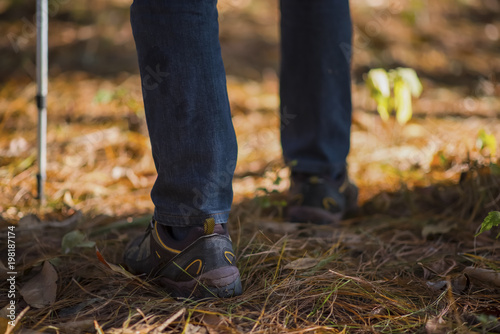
[
  {"x": 320, "y": 200},
  {"x": 201, "y": 264}
]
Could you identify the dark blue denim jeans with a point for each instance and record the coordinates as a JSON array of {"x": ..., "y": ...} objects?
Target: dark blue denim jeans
[{"x": 187, "y": 109}]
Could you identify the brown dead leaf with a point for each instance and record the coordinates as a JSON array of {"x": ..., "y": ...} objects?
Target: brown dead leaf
[
  {"x": 214, "y": 323},
  {"x": 78, "y": 326},
  {"x": 441, "y": 228},
  {"x": 459, "y": 284},
  {"x": 194, "y": 329},
  {"x": 437, "y": 326},
  {"x": 483, "y": 276},
  {"x": 32, "y": 222},
  {"x": 40, "y": 291}
]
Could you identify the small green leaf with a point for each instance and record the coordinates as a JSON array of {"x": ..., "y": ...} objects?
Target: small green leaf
[
  {"x": 103, "y": 96},
  {"x": 409, "y": 76},
  {"x": 55, "y": 261},
  {"x": 492, "y": 220},
  {"x": 402, "y": 101},
  {"x": 263, "y": 189},
  {"x": 378, "y": 82},
  {"x": 383, "y": 107},
  {"x": 264, "y": 202},
  {"x": 380, "y": 90},
  {"x": 75, "y": 239},
  {"x": 486, "y": 140}
]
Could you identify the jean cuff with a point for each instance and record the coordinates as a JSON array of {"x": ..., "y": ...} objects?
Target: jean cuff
[
  {"x": 189, "y": 220},
  {"x": 334, "y": 171}
]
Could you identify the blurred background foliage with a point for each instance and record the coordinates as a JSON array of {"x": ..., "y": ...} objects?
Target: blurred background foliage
[{"x": 98, "y": 146}]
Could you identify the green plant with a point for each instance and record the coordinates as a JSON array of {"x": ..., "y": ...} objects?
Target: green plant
[
  {"x": 405, "y": 84},
  {"x": 492, "y": 220},
  {"x": 486, "y": 140}
]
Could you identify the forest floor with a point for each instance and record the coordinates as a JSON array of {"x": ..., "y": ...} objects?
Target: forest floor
[{"x": 410, "y": 261}]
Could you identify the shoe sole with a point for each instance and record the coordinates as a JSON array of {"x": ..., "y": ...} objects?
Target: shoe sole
[{"x": 222, "y": 282}]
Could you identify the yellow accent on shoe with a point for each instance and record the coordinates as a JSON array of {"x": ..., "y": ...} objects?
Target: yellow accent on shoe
[
  {"x": 161, "y": 242},
  {"x": 209, "y": 226},
  {"x": 200, "y": 264},
  {"x": 315, "y": 180},
  {"x": 227, "y": 258},
  {"x": 327, "y": 201},
  {"x": 158, "y": 255},
  {"x": 344, "y": 185}
]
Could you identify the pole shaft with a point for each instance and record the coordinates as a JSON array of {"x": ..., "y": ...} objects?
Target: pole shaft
[{"x": 42, "y": 24}]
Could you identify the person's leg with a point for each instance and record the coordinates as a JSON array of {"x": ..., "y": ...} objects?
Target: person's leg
[
  {"x": 315, "y": 93},
  {"x": 187, "y": 109},
  {"x": 186, "y": 248}
]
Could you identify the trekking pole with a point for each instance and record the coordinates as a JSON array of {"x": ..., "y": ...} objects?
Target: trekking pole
[{"x": 42, "y": 27}]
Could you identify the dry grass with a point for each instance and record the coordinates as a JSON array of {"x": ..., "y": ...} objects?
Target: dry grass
[
  {"x": 409, "y": 262},
  {"x": 373, "y": 273}
]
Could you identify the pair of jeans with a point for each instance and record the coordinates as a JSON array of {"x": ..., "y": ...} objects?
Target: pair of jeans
[{"x": 187, "y": 110}]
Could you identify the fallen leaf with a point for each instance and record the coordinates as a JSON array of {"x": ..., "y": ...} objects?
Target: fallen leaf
[
  {"x": 437, "y": 325},
  {"x": 78, "y": 326},
  {"x": 441, "y": 228},
  {"x": 32, "y": 222},
  {"x": 40, "y": 291},
  {"x": 28, "y": 222},
  {"x": 459, "y": 284},
  {"x": 302, "y": 263},
  {"x": 213, "y": 324},
  {"x": 73, "y": 240},
  {"x": 193, "y": 329},
  {"x": 483, "y": 276},
  {"x": 436, "y": 286}
]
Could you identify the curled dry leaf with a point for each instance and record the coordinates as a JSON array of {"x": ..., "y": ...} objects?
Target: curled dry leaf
[
  {"x": 437, "y": 325},
  {"x": 459, "y": 284},
  {"x": 441, "y": 228},
  {"x": 40, "y": 291},
  {"x": 212, "y": 323},
  {"x": 483, "y": 276},
  {"x": 194, "y": 329}
]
